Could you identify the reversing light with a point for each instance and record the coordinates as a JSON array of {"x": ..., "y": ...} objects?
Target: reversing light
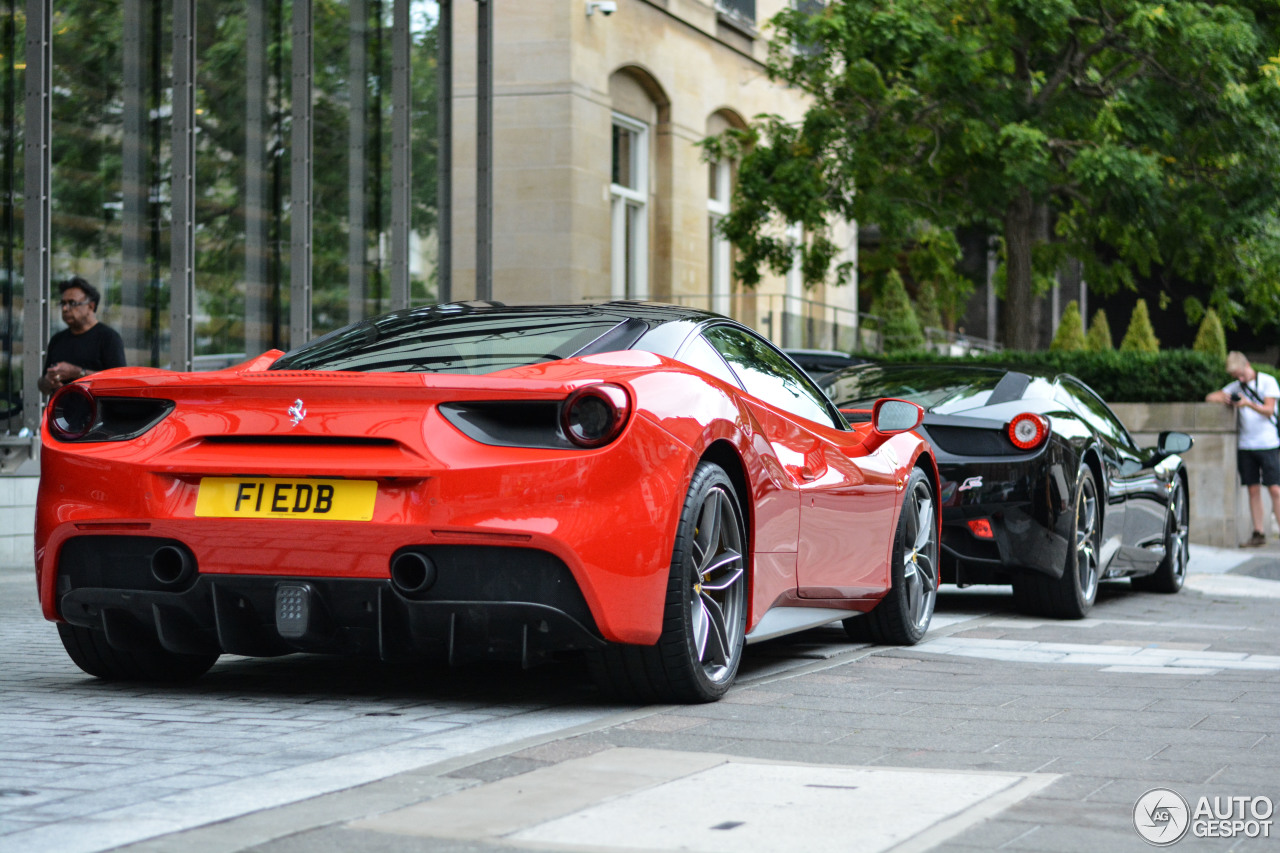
[
  {"x": 1028, "y": 430},
  {"x": 72, "y": 413},
  {"x": 594, "y": 415},
  {"x": 981, "y": 528}
]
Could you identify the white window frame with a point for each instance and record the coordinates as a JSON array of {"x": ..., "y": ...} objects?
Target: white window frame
[
  {"x": 629, "y": 262},
  {"x": 719, "y": 262}
]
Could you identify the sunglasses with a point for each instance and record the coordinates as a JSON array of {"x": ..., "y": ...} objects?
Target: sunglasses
[{"x": 67, "y": 303}]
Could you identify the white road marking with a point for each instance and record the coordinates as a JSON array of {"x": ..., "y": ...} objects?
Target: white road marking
[
  {"x": 629, "y": 799},
  {"x": 1112, "y": 657}
]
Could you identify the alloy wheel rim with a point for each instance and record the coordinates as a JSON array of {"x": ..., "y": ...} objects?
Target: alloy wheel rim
[
  {"x": 1178, "y": 515},
  {"x": 717, "y": 598},
  {"x": 920, "y": 562},
  {"x": 1086, "y": 529}
]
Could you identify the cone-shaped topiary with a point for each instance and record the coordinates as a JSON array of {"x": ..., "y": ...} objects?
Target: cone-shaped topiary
[
  {"x": 901, "y": 326},
  {"x": 1210, "y": 338},
  {"x": 1140, "y": 337},
  {"x": 927, "y": 309},
  {"x": 1098, "y": 338},
  {"x": 1070, "y": 334}
]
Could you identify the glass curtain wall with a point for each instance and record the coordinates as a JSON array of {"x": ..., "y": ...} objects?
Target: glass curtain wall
[
  {"x": 112, "y": 169},
  {"x": 12, "y": 34}
]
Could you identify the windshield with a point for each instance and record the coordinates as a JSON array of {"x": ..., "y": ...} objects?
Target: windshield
[
  {"x": 430, "y": 340},
  {"x": 937, "y": 388}
]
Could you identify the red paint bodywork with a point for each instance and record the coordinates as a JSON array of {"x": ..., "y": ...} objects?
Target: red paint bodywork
[{"x": 820, "y": 512}]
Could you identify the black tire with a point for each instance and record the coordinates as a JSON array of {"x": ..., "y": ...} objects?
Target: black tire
[
  {"x": 902, "y": 616},
  {"x": 91, "y": 652},
  {"x": 1072, "y": 595},
  {"x": 1172, "y": 572},
  {"x": 705, "y": 612}
]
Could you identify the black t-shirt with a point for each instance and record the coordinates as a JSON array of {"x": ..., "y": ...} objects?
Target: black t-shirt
[{"x": 96, "y": 349}]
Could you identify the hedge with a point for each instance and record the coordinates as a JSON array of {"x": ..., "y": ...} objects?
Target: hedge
[{"x": 1169, "y": 376}]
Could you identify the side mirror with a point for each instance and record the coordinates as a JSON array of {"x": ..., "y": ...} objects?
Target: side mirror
[
  {"x": 890, "y": 417},
  {"x": 1171, "y": 442}
]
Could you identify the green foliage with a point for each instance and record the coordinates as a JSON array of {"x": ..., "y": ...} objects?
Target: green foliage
[
  {"x": 1169, "y": 376},
  {"x": 1098, "y": 339},
  {"x": 927, "y": 307},
  {"x": 1140, "y": 337},
  {"x": 1070, "y": 334},
  {"x": 1210, "y": 338},
  {"x": 901, "y": 330},
  {"x": 1131, "y": 135}
]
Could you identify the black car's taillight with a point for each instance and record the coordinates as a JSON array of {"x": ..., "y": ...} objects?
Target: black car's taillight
[
  {"x": 1028, "y": 430},
  {"x": 594, "y": 415},
  {"x": 76, "y": 414}
]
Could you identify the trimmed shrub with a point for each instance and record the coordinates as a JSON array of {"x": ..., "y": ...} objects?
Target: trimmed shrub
[
  {"x": 1098, "y": 338},
  {"x": 1070, "y": 334},
  {"x": 1170, "y": 376},
  {"x": 901, "y": 326},
  {"x": 1210, "y": 338},
  {"x": 1140, "y": 337}
]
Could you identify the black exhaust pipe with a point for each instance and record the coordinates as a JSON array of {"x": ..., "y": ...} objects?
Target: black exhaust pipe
[
  {"x": 412, "y": 572},
  {"x": 172, "y": 565}
]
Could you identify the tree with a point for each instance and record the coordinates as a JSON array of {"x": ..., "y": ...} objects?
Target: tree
[
  {"x": 901, "y": 331},
  {"x": 1140, "y": 337},
  {"x": 1070, "y": 334},
  {"x": 1130, "y": 134},
  {"x": 1098, "y": 338},
  {"x": 1210, "y": 337}
]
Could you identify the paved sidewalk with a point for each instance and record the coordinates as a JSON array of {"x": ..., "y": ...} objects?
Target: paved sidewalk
[{"x": 998, "y": 732}]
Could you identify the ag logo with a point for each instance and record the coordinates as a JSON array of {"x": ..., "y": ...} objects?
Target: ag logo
[
  {"x": 1161, "y": 817},
  {"x": 297, "y": 411}
]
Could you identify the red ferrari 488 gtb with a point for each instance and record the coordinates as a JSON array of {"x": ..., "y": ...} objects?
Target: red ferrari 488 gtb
[{"x": 652, "y": 486}]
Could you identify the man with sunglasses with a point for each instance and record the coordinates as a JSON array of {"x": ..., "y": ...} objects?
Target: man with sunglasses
[{"x": 86, "y": 345}]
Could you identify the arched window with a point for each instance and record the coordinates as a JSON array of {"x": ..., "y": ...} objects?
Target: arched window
[{"x": 629, "y": 208}]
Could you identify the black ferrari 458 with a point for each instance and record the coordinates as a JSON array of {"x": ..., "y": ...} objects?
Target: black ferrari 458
[{"x": 1042, "y": 487}]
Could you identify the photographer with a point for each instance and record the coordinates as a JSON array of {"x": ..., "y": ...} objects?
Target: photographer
[{"x": 1253, "y": 395}]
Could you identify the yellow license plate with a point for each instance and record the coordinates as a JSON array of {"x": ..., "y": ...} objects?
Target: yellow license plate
[{"x": 253, "y": 497}]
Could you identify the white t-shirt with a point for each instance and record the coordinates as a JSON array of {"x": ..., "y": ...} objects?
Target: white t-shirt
[{"x": 1257, "y": 431}]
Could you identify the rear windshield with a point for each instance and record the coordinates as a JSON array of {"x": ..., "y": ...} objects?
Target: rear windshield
[
  {"x": 939, "y": 389},
  {"x": 425, "y": 341}
]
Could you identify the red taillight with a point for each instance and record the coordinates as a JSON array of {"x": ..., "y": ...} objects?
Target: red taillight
[
  {"x": 73, "y": 412},
  {"x": 1028, "y": 430},
  {"x": 981, "y": 528},
  {"x": 594, "y": 415}
]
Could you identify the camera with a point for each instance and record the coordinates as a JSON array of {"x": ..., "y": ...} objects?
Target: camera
[
  {"x": 604, "y": 7},
  {"x": 1236, "y": 398}
]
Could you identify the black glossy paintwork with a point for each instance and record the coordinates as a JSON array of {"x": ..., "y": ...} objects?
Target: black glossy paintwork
[{"x": 1029, "y": 496}]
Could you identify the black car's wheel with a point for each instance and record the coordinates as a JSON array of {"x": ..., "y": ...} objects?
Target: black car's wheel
[
  {"x": 91, "y": 652},
  {"x": 1072, "y": 595},
  {"x": 705, "y": 613},
  {"x": 902, "y": 616},
  {"x": 1172, "y": 572}
]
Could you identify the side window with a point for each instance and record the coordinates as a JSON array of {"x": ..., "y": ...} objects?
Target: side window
[
  {"x": 1093, "y": 410},
  {"x": 766, "y": 373},
  {"x": 701, "y": 355}
]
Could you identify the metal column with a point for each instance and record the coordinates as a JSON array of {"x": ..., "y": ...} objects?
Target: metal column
[
  {"x": 300, "y": 200},
  {"x": 484, "y": 150},
  {"x": 37, "y": 211},
  {"x": 401, "y": 118},
  {"x": 257, "y": 174},
  {"x": 182, "y": 287},
  {"x": 357, "y": 240},
  {"x": 444, "y": 160}
]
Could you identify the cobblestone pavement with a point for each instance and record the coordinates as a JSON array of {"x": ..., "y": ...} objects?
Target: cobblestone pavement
[{"x": 1068, "y": 723}]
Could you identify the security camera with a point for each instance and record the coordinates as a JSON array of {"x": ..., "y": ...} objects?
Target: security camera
[{"x": 604, "y": 7}]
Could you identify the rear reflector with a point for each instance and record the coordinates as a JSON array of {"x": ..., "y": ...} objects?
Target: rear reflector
[{"x": 981, "y": 528}]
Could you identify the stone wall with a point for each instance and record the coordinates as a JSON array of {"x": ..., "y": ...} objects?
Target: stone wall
[{"x": 1219, "y": 505}]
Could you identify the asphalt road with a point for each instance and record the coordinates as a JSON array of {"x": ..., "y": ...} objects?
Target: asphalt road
[{"x": 997, "y": 732}]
